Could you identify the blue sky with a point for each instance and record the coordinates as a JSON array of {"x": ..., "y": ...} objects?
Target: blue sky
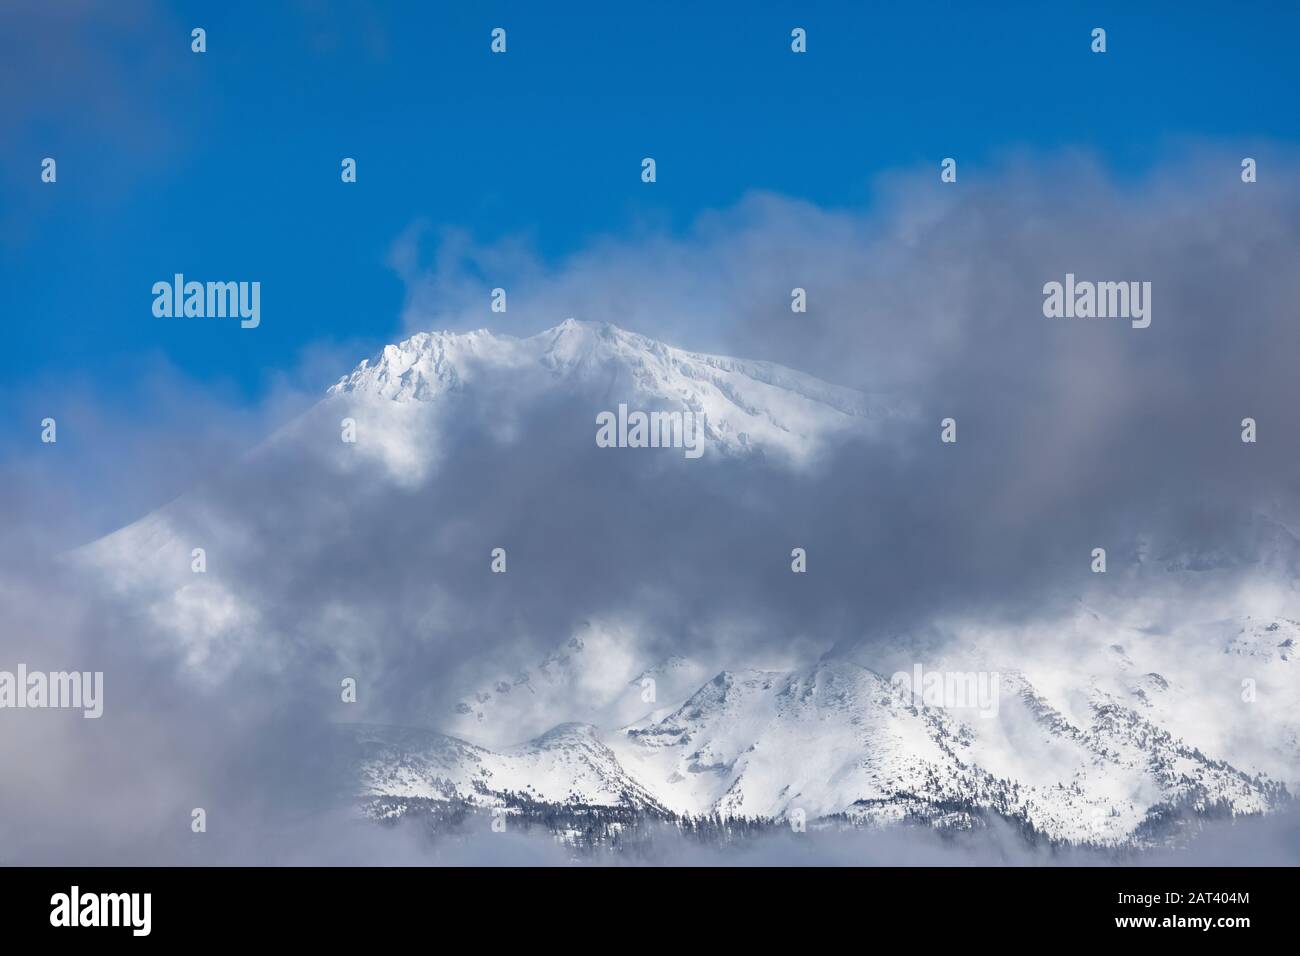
[{"x": 226, "y": 165}]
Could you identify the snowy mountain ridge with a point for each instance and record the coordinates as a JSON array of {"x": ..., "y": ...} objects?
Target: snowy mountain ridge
[{"x": 838, "y": 740}]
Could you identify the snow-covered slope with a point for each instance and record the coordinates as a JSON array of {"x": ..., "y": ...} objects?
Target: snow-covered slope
[
  {"x": 566, "y": 765},
  {"x": 839, "y": 739},
  {"x": 595, "y": 677}
]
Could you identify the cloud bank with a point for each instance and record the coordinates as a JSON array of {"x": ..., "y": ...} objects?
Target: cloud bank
[{"x": 1072, "y": 434}]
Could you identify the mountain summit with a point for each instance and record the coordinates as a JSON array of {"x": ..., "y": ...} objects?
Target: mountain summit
[
  {"x": 746, "y": 404},
  {"x": 361, "y": 543}
]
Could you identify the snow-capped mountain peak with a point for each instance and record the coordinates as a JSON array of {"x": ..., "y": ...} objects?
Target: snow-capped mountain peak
[{"x": 746, "y": 405}]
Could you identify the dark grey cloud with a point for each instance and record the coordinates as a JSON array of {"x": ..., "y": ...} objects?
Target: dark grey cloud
[{"x": 1073, "y": 433}]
